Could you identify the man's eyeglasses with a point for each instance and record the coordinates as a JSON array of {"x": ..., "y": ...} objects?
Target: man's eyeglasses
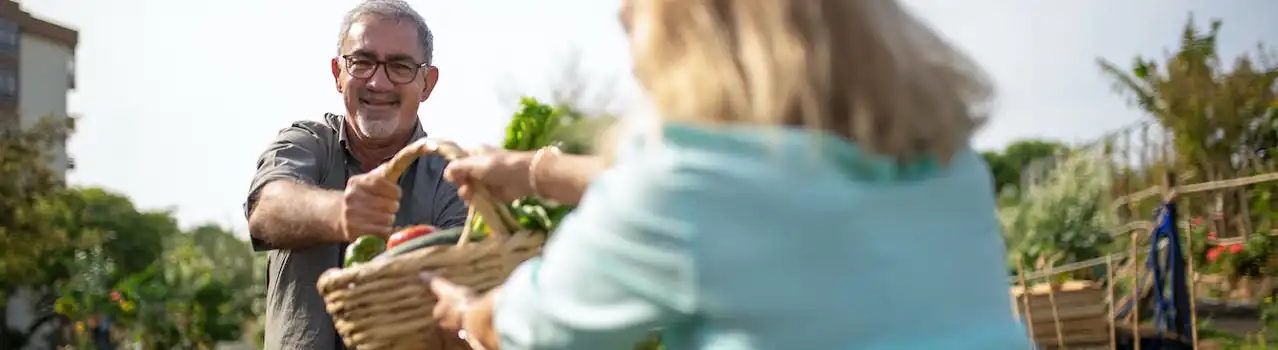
[{"x": 399, "y": 72}]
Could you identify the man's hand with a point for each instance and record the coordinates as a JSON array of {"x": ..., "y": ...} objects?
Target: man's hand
[{"x": 369, "y": 205}]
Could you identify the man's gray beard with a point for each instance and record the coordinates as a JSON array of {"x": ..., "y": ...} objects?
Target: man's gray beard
[{"x": 377, "y": 129}]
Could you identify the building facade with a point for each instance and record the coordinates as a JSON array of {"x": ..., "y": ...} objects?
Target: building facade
[{"x": 37, "y": 70}]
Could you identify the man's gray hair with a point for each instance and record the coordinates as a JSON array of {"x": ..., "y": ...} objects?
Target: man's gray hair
[{"x": 390, "y": 9}]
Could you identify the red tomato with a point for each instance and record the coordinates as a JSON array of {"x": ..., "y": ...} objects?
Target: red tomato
[{"x": 409, "y": 233}]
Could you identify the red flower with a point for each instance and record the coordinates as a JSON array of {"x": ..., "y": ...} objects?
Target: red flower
[
  {"x": 1211, "y": 235},
  {"x": 1235, "y": 248},
  {"x": 1214, "y": 253},
  {"x": 115, "y": 295},
  {"x": 1197, "y": 221}
]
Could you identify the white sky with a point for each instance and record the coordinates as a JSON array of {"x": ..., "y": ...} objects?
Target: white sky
[{"x": 177, "y": 98}]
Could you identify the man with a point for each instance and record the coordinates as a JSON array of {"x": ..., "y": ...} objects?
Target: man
[{"x": 313, "y": 193}]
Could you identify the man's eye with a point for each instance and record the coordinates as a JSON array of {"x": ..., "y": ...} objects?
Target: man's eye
[
  {"x": 401, "y": 68},
  {"x": 362, "y": 64}
]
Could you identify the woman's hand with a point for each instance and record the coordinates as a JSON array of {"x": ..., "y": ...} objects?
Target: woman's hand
[
  {"x": 459, "y": 309},
  {"x": 454, "y": 302},
  {"x": 504, "y": 173}
]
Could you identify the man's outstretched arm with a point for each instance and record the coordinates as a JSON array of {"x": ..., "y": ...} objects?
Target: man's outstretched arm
[{"x": 285, "y": 208}]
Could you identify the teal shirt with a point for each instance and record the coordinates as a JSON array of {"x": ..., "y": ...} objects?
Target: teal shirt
[{"x": 748, "y": 238}]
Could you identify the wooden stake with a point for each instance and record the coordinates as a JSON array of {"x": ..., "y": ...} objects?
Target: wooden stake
[
  {"x": 1056, "y": 317},
  {"x": 1109, "y": 290},
  {"x": 1025, "y": 299},
  {"x": 1135, "y": 293}
]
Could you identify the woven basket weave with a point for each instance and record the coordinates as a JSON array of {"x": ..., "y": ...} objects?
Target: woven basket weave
[{"x": 383, "y": 304}]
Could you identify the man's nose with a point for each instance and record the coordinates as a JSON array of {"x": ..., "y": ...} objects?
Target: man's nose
[{"x": 380, "y": 81}]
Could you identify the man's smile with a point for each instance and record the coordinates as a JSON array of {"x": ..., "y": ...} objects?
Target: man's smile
[{"x": 379, "y": 103}]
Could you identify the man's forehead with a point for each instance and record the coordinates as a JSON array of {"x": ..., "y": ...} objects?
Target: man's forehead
[{"x": 382, "y": 38}]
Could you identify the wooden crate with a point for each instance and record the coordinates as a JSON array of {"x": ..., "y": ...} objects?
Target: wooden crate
[{"x": 1080, "y": 315}]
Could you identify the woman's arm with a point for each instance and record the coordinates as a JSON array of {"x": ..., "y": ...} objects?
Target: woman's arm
[
  {"x": 509, "y": 175},
  {"x": 563, "y": 178},
  {"x": 619, "y": 267}
]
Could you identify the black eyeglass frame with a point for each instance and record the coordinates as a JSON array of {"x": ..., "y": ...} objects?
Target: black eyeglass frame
[{"x": 381, "y": 65}]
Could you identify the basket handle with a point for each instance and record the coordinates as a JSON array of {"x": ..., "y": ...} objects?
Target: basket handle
[{"x": 496, "y": 216}]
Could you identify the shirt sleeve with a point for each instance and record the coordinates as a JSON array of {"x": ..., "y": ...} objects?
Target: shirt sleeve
[
  {"x": 295, "y": 155},
  {"x": 618, "y": 267}
]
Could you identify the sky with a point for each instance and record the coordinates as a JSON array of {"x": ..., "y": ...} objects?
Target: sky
[{"x": 176, "y": 99}]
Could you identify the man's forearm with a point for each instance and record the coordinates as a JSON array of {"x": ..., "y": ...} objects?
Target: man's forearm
[
  {"x": 290, "y": 215},
  {"x": 567, "y": 176}
]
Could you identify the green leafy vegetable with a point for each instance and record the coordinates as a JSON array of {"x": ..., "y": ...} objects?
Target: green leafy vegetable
[
  {"x": 364, "y": 250},
  {"x": 534, "y": 126}
]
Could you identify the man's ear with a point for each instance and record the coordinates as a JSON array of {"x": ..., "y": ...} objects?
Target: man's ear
[
  {"x": 432, "y": 77},
  {"x": 337, "y": 73}
]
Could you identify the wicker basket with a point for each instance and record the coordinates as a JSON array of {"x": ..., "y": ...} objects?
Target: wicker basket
[{"x": 384, "y": 305}]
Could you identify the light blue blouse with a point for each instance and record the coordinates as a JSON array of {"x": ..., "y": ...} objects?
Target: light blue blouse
[{"x": 747, "y": 238}]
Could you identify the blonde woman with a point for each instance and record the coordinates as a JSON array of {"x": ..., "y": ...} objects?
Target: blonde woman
[{"x": 809, "y": 186}]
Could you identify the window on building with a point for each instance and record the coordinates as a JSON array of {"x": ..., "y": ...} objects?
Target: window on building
[
  {"x": 71, "y": 73},
  {"x": 9, "y": 35},
  {"x": 8, "y": 83}
]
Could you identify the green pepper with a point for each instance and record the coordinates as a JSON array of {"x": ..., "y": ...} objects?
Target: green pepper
[
  {"x": 363, "y": 250},
  {"x": 478, "y": 228}
]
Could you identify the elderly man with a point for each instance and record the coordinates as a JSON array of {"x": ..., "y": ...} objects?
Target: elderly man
[{"x": 312, "y": 194}]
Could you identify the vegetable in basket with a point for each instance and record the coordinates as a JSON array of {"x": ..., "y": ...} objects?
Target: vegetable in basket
[
  {"x": 363, "y": 250},
  {"x": 534, "y": 126},
  {"x": 409, "y": 233},
  {"x": 419, "y": 241}
]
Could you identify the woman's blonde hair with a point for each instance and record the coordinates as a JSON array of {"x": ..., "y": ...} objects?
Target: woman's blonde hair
[{"x": 863, "y": 69}]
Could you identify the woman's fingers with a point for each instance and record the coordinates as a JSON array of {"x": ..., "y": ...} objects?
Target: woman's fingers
[
  {"x": 444, "y": 315},
  {"x": 474, "y": 167},
  {"x": 446, "y": 289},
  {"x": 459, "y": 170},
  {"x": 499, "y": 171},
  {"x": 485, "y": 149},
  {"x": 453, "y": 300},
  {"x": 464, "y": 191}
]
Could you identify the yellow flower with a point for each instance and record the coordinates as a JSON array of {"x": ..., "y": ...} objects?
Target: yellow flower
[
  {"x": 1269, "y": 300},
  {"x": 79, "y": 327},
  {"x": 126, "y": 306}
]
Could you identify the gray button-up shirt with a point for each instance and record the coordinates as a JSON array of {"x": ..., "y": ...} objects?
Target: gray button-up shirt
[{"x": 317, "y": 154}]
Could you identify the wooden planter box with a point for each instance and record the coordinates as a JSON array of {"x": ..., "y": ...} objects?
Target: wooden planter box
[{"x": 1073, "y": 314}]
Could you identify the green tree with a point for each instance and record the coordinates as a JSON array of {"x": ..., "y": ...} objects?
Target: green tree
[
  {"x": 132, "y": 242},
  {"x": 133, "y": 239},
  {"x": 1222, "y": 119},
  {"x": 107, "y": 259},
  {"x": 33, "y": 206},
  {"x": 211, "y": 296},
  {"x": 1065, "y": 218},
  {"x": 1007, "y": 166},
  {"x": 233, "y": 256},
  {"x": 200, "y": 292},
  {"x": 35, "y": 244}
]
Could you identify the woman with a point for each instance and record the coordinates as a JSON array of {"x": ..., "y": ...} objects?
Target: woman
[{"x": 808, "y": 185}]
